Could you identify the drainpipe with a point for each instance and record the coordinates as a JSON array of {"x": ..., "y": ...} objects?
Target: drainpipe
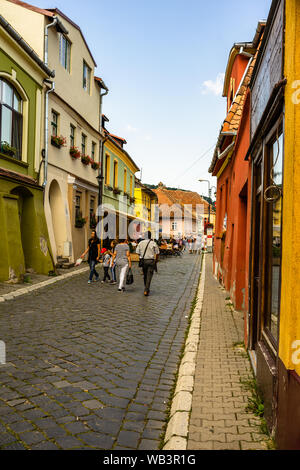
[
  {"x": 54, "y": 23},
  {"x": 50, "y": 90},
  {"x": 101, "y": 153}
]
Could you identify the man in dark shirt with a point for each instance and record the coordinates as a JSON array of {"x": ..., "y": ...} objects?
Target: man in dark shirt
[{"x": 93, "y": 250}]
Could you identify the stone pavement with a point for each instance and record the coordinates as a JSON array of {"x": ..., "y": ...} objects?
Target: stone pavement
[
  {"x": 89, "y": 367},
  {"x": 219, "y": 420}
]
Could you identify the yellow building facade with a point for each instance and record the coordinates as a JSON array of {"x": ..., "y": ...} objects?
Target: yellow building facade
[{"x": 146, "y": 206}]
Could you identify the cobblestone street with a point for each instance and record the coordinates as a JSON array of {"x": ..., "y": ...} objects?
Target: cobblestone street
[{"x": 89, "y": 367}]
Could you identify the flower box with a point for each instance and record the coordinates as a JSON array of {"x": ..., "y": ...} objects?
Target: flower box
[
  {"x": 95, "y": 165},
  {"x": 75, "y": 153},
  {"x": 85, "y": 159},
  {"x": 7, "y": 149},
  {"x": 109, "y": 188},
  {"x": 80, "y": 221},
  {"x": 116, "y": 191},
  {"x": 58, "y": 141}
]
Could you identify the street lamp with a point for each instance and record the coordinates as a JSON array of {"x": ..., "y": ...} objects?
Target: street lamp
[
  {"x": 100, "y": 179},
  {"x": 209, "y": 194}
]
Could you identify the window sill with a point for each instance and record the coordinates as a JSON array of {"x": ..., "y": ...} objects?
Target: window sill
[{"x": 3, "y": 156}]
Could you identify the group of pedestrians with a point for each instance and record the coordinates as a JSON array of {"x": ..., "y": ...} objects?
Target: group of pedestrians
[{"x": 118, "y": 258}]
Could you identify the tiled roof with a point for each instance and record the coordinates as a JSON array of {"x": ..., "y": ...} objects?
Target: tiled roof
[
  {"x": 181, "y": 198},
  {"x": 233, "y": 118},
  {"x": 50, "y": 13},
  {"x": 33, "y": 8},
  {"x": 232, "y": 121}
]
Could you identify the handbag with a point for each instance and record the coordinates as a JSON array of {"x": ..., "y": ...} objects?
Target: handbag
[
  {"x": 129, "y": 277},
  {"x": 141, "y": 261}
]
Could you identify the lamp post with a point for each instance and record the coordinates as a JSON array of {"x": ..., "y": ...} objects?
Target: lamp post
[
  {"x": 209, "y": 195},
  {"x": 100, "y": 179}
]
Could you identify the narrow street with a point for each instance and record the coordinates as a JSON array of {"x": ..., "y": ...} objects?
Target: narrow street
[{"x": 89, "y": 367}]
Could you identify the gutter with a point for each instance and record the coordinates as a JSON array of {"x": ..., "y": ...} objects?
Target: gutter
[
  {"x": 16, "y": 36},
  {"x": 226, "y": 151}
]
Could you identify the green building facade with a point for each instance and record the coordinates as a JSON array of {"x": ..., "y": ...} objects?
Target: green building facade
[{"x": 24, "y": 242}]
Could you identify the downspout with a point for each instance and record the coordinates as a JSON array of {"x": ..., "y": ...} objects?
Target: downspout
[
  {"x": 54, "y": 23},
  {"x": 46, "y": 125},
  {"x": 101, "y": 154}
]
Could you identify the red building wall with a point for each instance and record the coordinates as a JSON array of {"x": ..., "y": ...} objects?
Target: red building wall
[{"x": 231, "y": 252}]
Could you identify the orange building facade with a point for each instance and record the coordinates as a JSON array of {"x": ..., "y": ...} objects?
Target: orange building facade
[{"x": 233, "y": 206}]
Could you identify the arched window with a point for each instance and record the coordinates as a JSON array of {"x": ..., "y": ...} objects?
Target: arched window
[{"x": 11, "y": 120}]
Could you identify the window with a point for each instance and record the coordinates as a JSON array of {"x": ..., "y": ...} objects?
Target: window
[
  {"x": 174, "y": 225},
  {"x": 86, "y": 77},
  {"x": 93, "y": 221},
  {"x": 131, "y": 181},
  {"x": 115, "y": 174},
  {"x": 72, "y": 135},
  {"x": 65, "y": 52},
  {"x": 125, "y": 180},
  {"x": 107, "y": 170},
  {"x": 93, "y": 154},
  {"x": 274, "y": 230},
  {"x": 83, "y": 144},
  {"x": 11, "y": 120},
  {"x": 54, "y": 124},
  {"x": 78, "y": 206}
]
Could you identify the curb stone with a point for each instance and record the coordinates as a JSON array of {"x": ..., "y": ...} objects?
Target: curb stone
[
  {"x": 40, "y": 285},
  {"x": 177, "y": 429}
]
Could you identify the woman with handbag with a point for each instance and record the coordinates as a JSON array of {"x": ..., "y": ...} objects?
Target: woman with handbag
[
  {"x": 123, "y": 261},
  {"x": 148, "y": 251}
]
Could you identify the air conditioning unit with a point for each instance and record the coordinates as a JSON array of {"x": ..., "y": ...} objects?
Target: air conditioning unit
[{"x": 67, "y": 249}]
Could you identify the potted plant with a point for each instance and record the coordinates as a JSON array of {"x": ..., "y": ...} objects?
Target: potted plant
[
  {"x": 95, "y": 165},
  {"x": 85, "y": 159},
  {"x": 58, "y": 141},
  {"x": 109, "y": 188},
  {"x": 7, "y": 149},
  {"x": 80, "y": 221},
  {"x": 132, "y": 200},
  {"x": 116, "y": 191},
  {"x": 75, "y": 153}
]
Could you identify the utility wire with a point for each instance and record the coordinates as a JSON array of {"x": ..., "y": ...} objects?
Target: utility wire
[{"x": 195, "y": 163}]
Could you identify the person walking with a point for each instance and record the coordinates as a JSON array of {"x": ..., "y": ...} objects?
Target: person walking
[
  {"x": 113, "y": 263},
  {"x": 148, "y": 250},
  {"x": 106, "y": 263},
  {"x": 93, "y": 250},
  {"x": 123, "y": 261}
]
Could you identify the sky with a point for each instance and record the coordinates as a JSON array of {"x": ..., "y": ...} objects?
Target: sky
[{"x": 164, "y": 63}]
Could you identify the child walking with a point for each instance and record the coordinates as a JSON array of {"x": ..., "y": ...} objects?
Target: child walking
[{"x": 106, "y": 264}]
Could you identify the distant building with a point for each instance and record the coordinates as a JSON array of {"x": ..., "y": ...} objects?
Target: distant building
[
  {"x": 181, "y": 213},
  {"x": 146, "y": 207}
]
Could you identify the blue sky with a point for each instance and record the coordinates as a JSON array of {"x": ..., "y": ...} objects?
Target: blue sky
[{"x": 162, "y": 61}]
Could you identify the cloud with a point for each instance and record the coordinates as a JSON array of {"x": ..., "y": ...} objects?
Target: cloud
[
  {"x": 131, "y": 128},
  {"x": 214, "y": 87}
]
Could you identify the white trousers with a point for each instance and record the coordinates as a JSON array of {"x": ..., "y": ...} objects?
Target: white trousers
[{"x": 122, "y": 276}]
